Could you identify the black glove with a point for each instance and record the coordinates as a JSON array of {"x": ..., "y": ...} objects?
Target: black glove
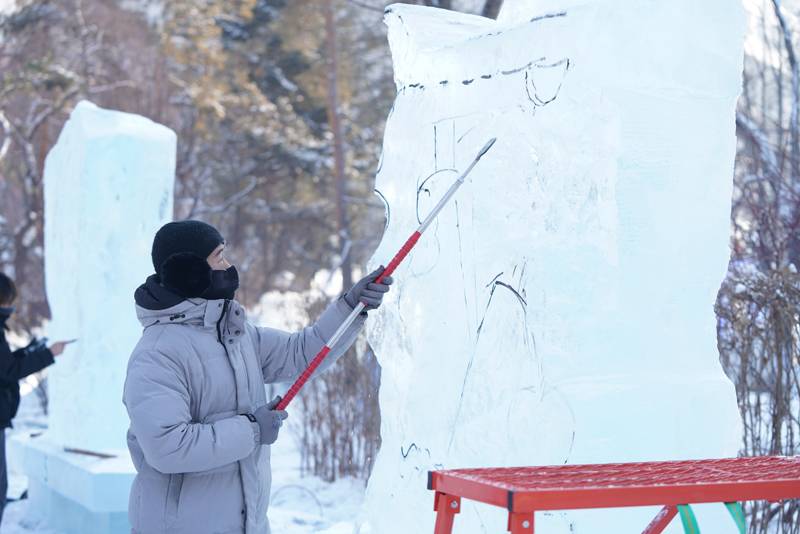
[
  {"x": 270, "y": 421},
  {"x": 367, "y": 291}
]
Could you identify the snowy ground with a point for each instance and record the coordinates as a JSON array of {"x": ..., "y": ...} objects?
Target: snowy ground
[{"x": 300, "y": 505}]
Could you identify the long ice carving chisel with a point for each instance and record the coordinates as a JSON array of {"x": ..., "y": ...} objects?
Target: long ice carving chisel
[{"x": 401, "y": 254}]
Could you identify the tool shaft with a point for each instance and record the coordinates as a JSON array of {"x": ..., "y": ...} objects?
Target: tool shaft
[{"x": 396, "y": 260}]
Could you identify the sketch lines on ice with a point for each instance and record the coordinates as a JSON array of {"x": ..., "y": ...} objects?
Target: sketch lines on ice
[
  {"x": 550, "y": 86},
  {"x": 503, "y": 72},
  {"x": 553, "y": 72},
  {"x": 542, "y": 81},
  {"x": 529, "y": 340}
]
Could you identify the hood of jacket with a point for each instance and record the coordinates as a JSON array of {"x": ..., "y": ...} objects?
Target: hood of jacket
[
  {"x": 153, "y": 296},
  {"x": 155, "y": 304}
]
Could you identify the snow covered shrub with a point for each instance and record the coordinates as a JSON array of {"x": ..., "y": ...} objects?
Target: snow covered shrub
[
  {"x": 338, "y": 423},
  {"x": 758, "y": 335}
]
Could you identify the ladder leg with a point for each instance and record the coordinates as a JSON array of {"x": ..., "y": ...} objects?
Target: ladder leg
[
  {"x": 446, "y": 507},
  {"x": 688, "y": 519},
  {"x": 738, "y": 515},
  {"x": 520, "y": 523},
  {"x": 664, "y": 517}
]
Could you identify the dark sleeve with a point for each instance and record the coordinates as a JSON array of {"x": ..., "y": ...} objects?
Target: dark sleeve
[
  {"x": 21, "y": 363},
  {"x": 8, "y": 365},
  {"x": 33, "y": 361}
]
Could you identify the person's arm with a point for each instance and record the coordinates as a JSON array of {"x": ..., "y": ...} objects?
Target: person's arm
[
  {"x": 284, "y": 356},
  {"x": 156, "y": 395},
  {"x": 33, "y": 359},
  {"x": 22, "y": 362}
]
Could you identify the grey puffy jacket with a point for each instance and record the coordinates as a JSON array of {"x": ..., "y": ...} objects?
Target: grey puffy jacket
[{"x": 200, "y": 363}]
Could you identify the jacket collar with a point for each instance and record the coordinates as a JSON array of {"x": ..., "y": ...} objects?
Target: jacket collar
[
  {"x": 155, "y": 304},
  {"x": 198, "y": 312}
]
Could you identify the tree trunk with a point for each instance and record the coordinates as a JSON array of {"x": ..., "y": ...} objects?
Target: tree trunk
[
  {"x": 444, "y": 4},
  {"x": 793, "y": 252},
  {"x": 492, "y": 8},
  {"x": 338, "y": 146}
]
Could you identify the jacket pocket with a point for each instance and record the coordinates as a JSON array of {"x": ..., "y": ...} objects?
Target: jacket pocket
[
  {"x": 173, "y": 497},
  {"x": 210, "y": 504}
]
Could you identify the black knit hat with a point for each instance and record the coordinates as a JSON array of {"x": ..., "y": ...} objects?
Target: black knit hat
[{"x": 179, "y": 255}]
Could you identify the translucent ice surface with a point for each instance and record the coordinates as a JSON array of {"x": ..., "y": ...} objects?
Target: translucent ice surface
[
  {"x": 560, "y": 310},
  {"x": 108, "y": 187}
]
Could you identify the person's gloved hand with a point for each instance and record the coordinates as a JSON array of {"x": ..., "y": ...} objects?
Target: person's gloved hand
[
  {"x": 367, "y": 291},
  {"x": 270, "y": 421}
]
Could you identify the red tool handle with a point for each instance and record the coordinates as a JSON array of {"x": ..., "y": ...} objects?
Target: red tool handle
[
  {"x": 402, "y": 253},
  {"x": 303, "y": 378},
  {"x": 300, "y": 382}
]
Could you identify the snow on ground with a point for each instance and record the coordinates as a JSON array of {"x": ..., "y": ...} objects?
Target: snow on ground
[
  {"x": 303, "y": 505},
  {"x": 300, "y": 505},
  {"x": 30, "y": 419}
]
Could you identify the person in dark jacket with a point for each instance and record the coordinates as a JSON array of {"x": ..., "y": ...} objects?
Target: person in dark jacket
[{"x": 15, "y": 365}]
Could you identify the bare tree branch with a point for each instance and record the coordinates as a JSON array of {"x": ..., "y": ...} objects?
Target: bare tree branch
[
  {"x": 4, "y": 122},
  {"x": 36, "y": 122},
  {"x": 760, "y": 139},
  {"x": 229, "y": 202},
  {"x": 97, "y": 89}
]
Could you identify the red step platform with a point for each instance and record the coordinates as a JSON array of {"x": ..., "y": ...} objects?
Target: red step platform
[{"x": 527, "y": 490}]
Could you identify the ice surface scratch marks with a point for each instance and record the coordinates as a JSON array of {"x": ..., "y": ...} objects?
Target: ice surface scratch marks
[
  {"x": 494, "y": 283},
  {"x": 453, "y": 145},
  {"x": 462, "y": 136},
  {"x": 461, "y": 262},
  {"x": 421, "y": 187},
  {"x": 534, "y": 19}
]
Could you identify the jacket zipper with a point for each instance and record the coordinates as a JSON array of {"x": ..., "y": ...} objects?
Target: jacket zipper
[{"x": 236, "y": 386}]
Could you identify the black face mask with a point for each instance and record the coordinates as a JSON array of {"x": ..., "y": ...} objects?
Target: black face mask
[{"x": 223, "y": 284}]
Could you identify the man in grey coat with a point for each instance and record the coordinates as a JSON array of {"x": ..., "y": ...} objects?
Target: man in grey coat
[{"x": 200, "y": 423}]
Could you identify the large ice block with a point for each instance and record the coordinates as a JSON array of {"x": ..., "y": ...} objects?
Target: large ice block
[
  {"x": 560, "y": 310},
  {"x": 74, "y": 493},
  {"x": 108, "y": 186}
]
